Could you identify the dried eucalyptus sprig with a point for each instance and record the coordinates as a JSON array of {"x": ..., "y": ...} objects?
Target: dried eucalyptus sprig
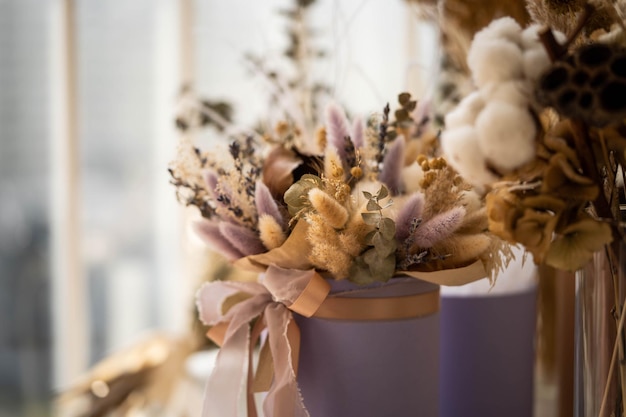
[{"x": 378, "y": 261}]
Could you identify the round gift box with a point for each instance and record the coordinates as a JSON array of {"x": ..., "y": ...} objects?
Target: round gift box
[{"x": 371, "y": 368}]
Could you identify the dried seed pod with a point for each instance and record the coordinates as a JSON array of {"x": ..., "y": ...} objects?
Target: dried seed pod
[{"x": 589, "y": 84}]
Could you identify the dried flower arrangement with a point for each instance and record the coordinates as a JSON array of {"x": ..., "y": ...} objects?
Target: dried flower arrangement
[
  {"x": 541, "y": 134},
  {"x": 366, "y": 205},
  {"x": 357, "y": 200}
]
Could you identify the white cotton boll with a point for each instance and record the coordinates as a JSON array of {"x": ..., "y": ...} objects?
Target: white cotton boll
[
  {"x": 506, "y": 134},
  {"x": 466, "y": 112},
  {"x": 514, "y": 92},
  {"x": 494, "y": 61},
  {"x": 530, "y": 36},
  {"x": 503, "y": 28},
  {"x": 463, "y": 153},
  {"x": 535, "y": 63}
]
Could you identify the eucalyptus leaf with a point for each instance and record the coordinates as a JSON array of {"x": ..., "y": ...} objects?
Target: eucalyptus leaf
[
  {"x": 371, "y": 219},
  {"x": 372, "y": 205},
  {"x": 382, "y": 193},
  {"x": 296, "y": 196},
  {"x": 401, "y": 115},
  {"x": 404, "y": 98},
  {"x": 369, "y": 238},
  {"x": 383, "y": 269},
  {"x": 370, "y": 257},
  {"x": 360, "y": 273},
  {"x": 387, "y": 228},
  {"x": 383, "y": 247}
]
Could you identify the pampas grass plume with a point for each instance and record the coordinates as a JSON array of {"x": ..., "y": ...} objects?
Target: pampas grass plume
[
  {"x": 242, "y": 238},
  {"x": 353, "y": 237},
  {"x": 320, "y": 137},
  {"x": 334, "y": 213},
  {"x": 319, "y": 231},
  {"x": 391, "y": 174},
  {"x": 464, "y": 248},
  {"x": 210, "y": 179},
  {"x": 333, "y": 167},
  {"x": 328, "y": 257},
  {"x": 438, "y": 228},
  {"x": 209, "y": 233},
  {"x": 337, "y": 129},
  {"x": 357, "y": 133},
  {"x": 270, "y": 232},
  {"x": 474, "y": 222},
  {"x": 265, "y": 203},
  {"x": 411, "y": 209}
]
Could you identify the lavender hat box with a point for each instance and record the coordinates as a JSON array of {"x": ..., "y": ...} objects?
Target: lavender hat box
[{"x": 370, "y": 368}]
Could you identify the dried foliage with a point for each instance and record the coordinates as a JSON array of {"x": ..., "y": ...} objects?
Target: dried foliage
[{"x": 561, "y": 200}]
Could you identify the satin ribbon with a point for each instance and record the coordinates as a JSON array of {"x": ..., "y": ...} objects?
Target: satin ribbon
[{"x": 270, "y": 304}]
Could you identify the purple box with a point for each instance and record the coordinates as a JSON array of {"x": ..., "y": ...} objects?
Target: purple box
[
  {"x": 370, "y": 368},
  {"x": 487, "y": 355}
]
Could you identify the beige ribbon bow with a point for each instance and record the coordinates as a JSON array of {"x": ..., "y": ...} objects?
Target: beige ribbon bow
[{"x": 271, "y": 303}]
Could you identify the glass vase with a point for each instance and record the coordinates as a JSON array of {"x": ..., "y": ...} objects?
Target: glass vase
[{"x": 598, "y": 292}]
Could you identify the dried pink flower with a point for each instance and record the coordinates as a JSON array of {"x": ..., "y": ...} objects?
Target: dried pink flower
[
  {"x": 357, "y": 133},
  {"x": 337, "y": 129},
  {"x": 392, "y": 166},
  {"x": 242, "y": 238},
  {"x": 265, "y": 203},
  {"x": 209, "y": 233},
  {"x": 438, "y": 227},
  {"x": 410, "y": 211}
]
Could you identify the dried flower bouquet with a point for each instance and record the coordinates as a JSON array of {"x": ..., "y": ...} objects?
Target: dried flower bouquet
[
  {"x": 543, "y": 135},
  {"x": 364, "y": 206}
]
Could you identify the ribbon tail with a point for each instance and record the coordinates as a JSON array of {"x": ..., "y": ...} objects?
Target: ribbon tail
[
  {"x": 224, "y": 387},
  {"x": 283, "y": 399},
  {"x": 265, "y": 370},
  {"x": 254, "y": 338}
]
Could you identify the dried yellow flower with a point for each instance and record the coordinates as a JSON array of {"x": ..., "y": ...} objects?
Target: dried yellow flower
[
  {"x": 327, "y": 257},
  {"x": 327, "y": 251},
  {"x": 320, "y": 137},
  {"x": 333, "y": 213},
  {"x": 282, "y": 128},
  {"x": 463, "y": 249},
  {"x": 356, "y": 172},
  {"x": 333, "y": 167},
  {"x": 270, "y": 232}
]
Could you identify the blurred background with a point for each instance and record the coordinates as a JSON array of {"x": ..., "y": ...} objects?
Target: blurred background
[{"x": 94, "y": 251}]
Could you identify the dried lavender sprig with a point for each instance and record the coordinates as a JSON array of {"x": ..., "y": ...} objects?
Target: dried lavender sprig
[
  {"x": 382, "y": 136},
  {"x": 192, "y": 195}
]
